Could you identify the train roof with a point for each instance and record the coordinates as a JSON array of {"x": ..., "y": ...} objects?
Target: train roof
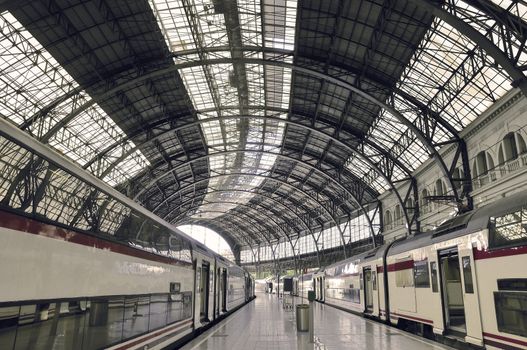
[
  {"x": 473, "y": 221},
  {"x": 372, "y": 254}
]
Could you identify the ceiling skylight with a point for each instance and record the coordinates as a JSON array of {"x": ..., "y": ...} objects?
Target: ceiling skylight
[
  {"x": 235, "y": 89},
  {"x": 32, "y": 79}
]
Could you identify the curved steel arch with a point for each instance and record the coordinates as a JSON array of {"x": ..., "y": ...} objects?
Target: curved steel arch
[
  {"x": 306, "y": 127},
  {"x": 385, "y": 153},
  {"x": 278, "y": 155},
  {"x": 337, "y": 224},
  {"x": 299, "y": 161},
  {"x": 267, "y": 178},
  {"x": 374, "y": 145},
  {"x": 422, "y": 138},
  {"x": 340, "y": 143},
  {"x": 249, "y": 207},
  {"x": 263, "y": 195}
]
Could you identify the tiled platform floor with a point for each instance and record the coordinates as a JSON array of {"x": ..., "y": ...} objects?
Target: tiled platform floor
[{"x": 264, "y": 325}]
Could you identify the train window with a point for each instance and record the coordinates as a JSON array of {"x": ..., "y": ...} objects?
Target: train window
[
  {"x": 467, "y": 275},
  {"x": 517, "y": 284},
  {"x": 175, "y": 287},
  {"x": 374, "y": 280},
  {"x": 404, "y": 275},
  {"x": 187, "y": 304},
  {"x": 159, "y": 306},
  {"x": 433, "y": 268},
  {"x": 421, "y": 274},
  {"x": 361, "y": 281},
  {"x": 509, "y": 229},
  {"x": 510, "y": 312},
  {"x": 8, "y": 323}
]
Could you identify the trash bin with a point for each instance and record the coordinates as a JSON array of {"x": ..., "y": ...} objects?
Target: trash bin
[{"x": 302, "y": 317}]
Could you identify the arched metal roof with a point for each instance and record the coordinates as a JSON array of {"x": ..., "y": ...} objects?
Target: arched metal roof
[{"x": 259, "y": 119}]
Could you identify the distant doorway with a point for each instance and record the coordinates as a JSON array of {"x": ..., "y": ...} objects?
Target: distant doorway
[
  {"x": 368, "y": 290},
  {"x": 204, "y": 289},
  {"x": 452, "y": 291}
]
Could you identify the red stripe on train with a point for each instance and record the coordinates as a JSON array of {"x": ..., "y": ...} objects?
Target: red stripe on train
[
  {"x": 500, "y": 337},
  {"x": 501, "y": 345},
  {"x": 489, "y": 254},
  {"x": 403, "y": 265},
  {"x": 412, "y": 317},
  {"x": 20, "y": 223}
]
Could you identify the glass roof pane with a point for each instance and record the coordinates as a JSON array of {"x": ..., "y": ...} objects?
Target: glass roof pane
[
  {"x": 219, "y": 85},
  {"x": 434, "y": 76},
  {"x": 32, "y": 79}
]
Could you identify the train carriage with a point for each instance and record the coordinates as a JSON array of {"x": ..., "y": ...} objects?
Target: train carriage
[
  {"x": 466, "y": 278},
  {"x": 464, "y": 281},
  {"x": 137, "y": 292}
]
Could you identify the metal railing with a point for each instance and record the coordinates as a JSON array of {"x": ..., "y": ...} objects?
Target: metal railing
[{"x": 501, "y": 171}]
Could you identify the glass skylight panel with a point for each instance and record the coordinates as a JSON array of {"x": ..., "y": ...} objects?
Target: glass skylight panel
[
  {"x": 215, "y": 86},
  {"x": 441, "y": 56},
  {"x": 197, "y": 86},
  {"x": 517, "y": 8},
  {"x": 33, "y": 79},
  {"x": 88, "y": 134},
  {"x": 364, "y": 172},
  {"x": 249, "y": 14},
  {"x": 279, "y": 22},
  {"x": 488, "y": 26}
]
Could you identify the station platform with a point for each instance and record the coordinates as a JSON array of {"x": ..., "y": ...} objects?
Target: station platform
[{"x": 263, "y": 325}]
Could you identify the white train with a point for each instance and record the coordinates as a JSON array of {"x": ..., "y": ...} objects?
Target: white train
[
  {"x": 464, "y": 283},
  {"x": 68, "y": 290}
]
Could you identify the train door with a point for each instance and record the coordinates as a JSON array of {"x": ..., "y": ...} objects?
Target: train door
[
  {"x": 321, "y": 288},
  {"x": 224, "y": 291},
  {"x": 247, "y": 287},
  {"x": 471, "y": 298},
  {"x": 204, "y": 290},
  {"x": 217, "y": 292},
  {"x": 368, "y": 290},
  {"x": 452, "y": 291}
]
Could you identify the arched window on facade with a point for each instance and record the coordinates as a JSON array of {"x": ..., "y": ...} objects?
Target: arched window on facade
[
  {"x": 424, "y": 201},
  {"x": 480, "y": 166},
  {"x": 483, "y": 169},
  {"x": 440, "y": 188},
  {"x": 387, "y": 220},
  {"x": 510, "y": 148},
  {"x": 397, "y": 215}
]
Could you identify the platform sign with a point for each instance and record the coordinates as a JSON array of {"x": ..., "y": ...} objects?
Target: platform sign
[{"x": 311, "y": 295}]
